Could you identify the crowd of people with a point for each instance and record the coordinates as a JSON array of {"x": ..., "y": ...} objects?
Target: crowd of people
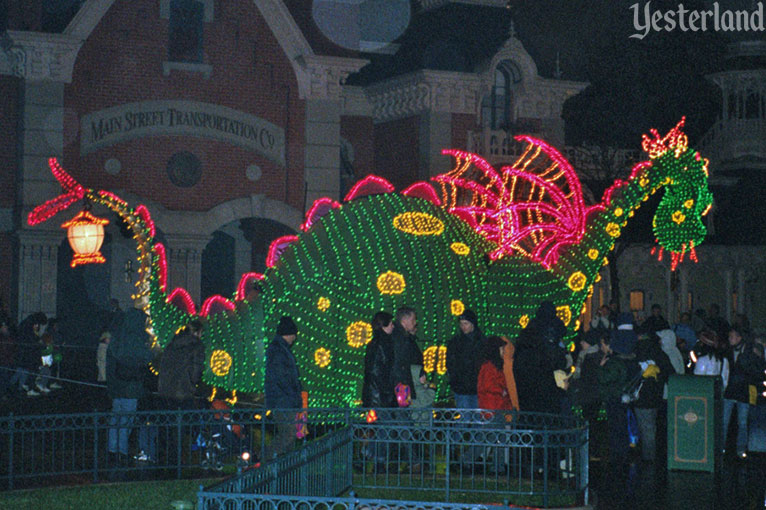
[{"x": 617, "y": 370}]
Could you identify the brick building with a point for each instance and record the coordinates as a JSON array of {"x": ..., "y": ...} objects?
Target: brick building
[{"x": 227, "y": 119}]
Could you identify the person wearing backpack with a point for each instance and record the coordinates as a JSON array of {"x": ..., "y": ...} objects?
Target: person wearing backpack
[
  {"x": 180, "y": 368},
  {"x": 655, "y": 367},
  {"x": 127, "y": 356}
]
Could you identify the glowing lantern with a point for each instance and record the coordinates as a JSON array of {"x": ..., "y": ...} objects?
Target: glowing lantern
[{"x": 85, "y": 233}]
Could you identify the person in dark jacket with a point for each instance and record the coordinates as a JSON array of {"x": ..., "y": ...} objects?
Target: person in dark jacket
[
  {"x": 464, "y": 357},
  {"x": 655, "y": 322},
  {"x": 29, "y": 350},
  {"x": 655, "y": 369},
  {"x": 127, "y": 356},
  {"x": 282, "y": 386},
  {"x": 378, "y": 385},
  {"x": 180, "y": 368},
  {"x": 743, "y": 372},
  {"x": 612, "y": 378},
  {"x": 537, "y": 356},
  {"x": 406, "y": 350},
  {"x": 624, "y": 336}
]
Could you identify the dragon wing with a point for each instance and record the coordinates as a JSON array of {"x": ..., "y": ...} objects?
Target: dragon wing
[{"x": 533, "y": 207}]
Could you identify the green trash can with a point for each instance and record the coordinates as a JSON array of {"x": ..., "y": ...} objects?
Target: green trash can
[{"x": 695, "y": 413}]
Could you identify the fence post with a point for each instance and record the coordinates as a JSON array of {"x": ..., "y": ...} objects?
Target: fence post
[
  {"x": 95, "y": 446},
  {"x": 447, "y": 459},
  {"x": 545, "y": 467},
  {"x": 179, "y": 436},
  {"x": 10, "y": 450}
]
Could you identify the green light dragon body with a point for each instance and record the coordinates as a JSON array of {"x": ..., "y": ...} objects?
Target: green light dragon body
[{"x": 496, "y": 241}]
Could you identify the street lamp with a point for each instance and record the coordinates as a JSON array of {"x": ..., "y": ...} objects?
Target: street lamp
[{"x": 85, "y": 233}]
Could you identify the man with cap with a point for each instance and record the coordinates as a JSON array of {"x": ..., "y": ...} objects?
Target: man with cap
[
  {"x": 282, "y": 386},
  {"x": 464, "y": 358},
  {"x": 465, "y": 353}
]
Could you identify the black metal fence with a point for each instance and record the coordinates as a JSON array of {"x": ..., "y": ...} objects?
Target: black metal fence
[{"x": 422, "y": 458}]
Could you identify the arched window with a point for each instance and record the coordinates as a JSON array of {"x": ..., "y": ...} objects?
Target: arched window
[{"x": 497, "y": 109}]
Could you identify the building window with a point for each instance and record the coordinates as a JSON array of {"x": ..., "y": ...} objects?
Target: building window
[
  {"x": 497, "y": 108},
  {"x": 636, "y": 300},
  {"x": 185, "y": 31}
]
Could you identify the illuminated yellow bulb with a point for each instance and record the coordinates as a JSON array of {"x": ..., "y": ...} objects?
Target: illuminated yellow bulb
[
  {"x": 456, "y": 307},
  {"x": 460, "y": 248},
  {"x": 576, "y": 281},
  {"x": 391, "y": 283},
  {"x": 429, "y": 359},
  {"x": 593, "y": 254},
  {"x": 441, "y": 364},
  {"x": 618, "y": 212},
  {"x": 524, "y": 320},
  {"x": 613, "y": 229},
  {"x": 220, "y": 362},
  {"x": 564, "y": 313},
  {"x": 323, "y": 304},
  {"x": 358, "y": 334},
  {"x": 689, "y": 203},
  {"x": 419, "y": 224},
  {"x": 678, "y": 217},
  {"x": 322, "y": 357}
]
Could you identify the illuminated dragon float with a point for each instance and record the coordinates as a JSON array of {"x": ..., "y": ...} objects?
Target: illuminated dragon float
[{"x": 496, "y": 241}]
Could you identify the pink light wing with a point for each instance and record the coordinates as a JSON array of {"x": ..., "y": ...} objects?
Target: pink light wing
[
  {"x": 243, "y": 283},
  {"x": 216, "y": 304},
  {"x": 319, "y": 208},
  {"x": 370, "y": 185},
  {"x": 162, "y": 264},
  {"x": 277, "y": 247},
  {"x": 50, "y": 208},
  {"x": 423, "y": 190},
  {"x": 181, "y": 299}
]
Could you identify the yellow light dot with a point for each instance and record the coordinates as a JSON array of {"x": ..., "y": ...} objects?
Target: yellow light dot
[
  {"x": 456, "y": 307},
  {"x": 577, "y": 324},
  {"x": 598, "y": 277},
  {"x": 577, "y": 281},
  {"x": 323, "y": 304},
  {"x": 220, "y": 362},
  {"x": 429, "y": 359},
  {"x": 689, "y": 203},
  {"x": 593, "y": 254},
  {"x": 618, "y": 212},
  {"x": 419, "y": 224},
  {"x": 358, "y": 334},
  {"x": 678, "y": 217},
  {"x": 391, "y": 283},
  {"x": 613, "y": 229},
  {"x": 441, "y": 364},
  {"x": 643, "y": 182},
  {"x": 524, "y": 320},
  {"x": 322, "y": 357},
  {"x": 564, "y": 313},
  {"x": 460, "y": 248}
]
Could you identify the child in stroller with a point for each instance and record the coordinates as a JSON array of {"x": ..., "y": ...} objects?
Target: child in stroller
[{"x": 222, "y": 438}]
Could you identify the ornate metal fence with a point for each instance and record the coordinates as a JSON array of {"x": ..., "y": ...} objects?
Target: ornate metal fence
[{"x": 421, "y": 459}]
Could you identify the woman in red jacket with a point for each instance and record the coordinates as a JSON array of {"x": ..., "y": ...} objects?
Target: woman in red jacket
[
  {"x": 491, "y": 388},
  {"x": 493, "y": 394}
]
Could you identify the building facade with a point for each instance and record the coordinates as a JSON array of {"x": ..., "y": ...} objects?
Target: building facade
[{"x": 227, "y": 120}]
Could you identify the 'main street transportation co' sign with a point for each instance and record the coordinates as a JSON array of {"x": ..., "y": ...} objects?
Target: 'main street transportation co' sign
[{"x": 185, "y": 118}]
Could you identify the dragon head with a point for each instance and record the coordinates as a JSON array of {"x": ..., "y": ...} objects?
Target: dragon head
[{"x": 678, "y": 225}]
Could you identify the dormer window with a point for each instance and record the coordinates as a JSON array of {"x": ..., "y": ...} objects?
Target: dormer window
[
  {"x": 497, "y": 108},
  {"x": 185, "y": 31}
]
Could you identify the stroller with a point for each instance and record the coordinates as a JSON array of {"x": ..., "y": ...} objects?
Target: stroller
[{"x": 222, "y": 439}]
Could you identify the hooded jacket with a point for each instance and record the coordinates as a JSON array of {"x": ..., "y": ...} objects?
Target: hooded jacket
[
  {"x": 624, "y": 337},
  {"x": 127, "y": 357},
  {"x": 282, "y": 385},
  {"x": 180, "y": 367},
  {"x": 668, "y": 344}
]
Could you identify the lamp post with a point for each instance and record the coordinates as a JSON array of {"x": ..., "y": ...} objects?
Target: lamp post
[{"x": 85, "y": 233}]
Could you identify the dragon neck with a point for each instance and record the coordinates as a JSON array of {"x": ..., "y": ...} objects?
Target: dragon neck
[
  {"x": 580, "y": 265},
  {"x": 149, "y": 290}
]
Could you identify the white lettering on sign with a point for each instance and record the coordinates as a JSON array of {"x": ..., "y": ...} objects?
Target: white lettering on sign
[{"x": 181, "y": 118}]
